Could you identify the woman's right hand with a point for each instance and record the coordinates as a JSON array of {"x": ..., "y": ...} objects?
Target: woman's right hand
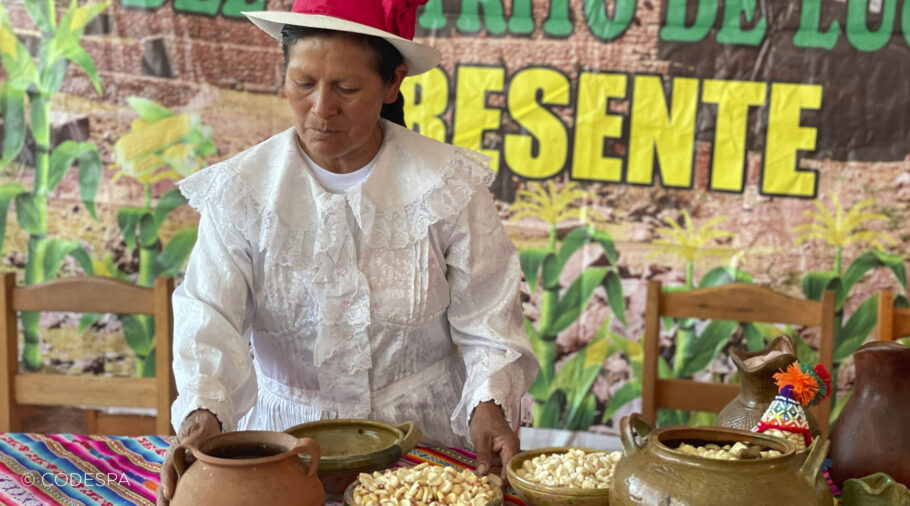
[{"x": 198, "y": 426}]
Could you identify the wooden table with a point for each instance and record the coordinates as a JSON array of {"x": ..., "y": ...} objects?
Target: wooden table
[{"x": 39, "y": 469}]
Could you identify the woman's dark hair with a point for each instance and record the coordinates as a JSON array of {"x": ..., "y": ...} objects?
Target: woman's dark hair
[{"x": 387, "y": 59}]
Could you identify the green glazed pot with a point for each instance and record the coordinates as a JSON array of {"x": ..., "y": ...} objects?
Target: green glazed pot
[
  {"x": 877, "y": 489},
  {"x": 653, "y": 472}
]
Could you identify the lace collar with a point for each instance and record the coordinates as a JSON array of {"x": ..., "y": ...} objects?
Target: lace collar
[{"x": 416, "y": 182}]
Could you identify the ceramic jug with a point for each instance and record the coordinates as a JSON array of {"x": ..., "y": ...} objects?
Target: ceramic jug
[
  {"x": 756, "y": 379},
  {"x": 248, "y": 468},
  {"x": 872, "y": 433},
  {"x": 654, "y": 473}
]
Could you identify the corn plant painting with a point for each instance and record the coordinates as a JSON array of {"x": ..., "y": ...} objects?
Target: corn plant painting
[
  {"x": 695, "y": 349},
  {"x": 161, "y": 145},
  {"x": 695, "y": 345},
  {"x": 30, "y": 85},
  {"x": 690, "y": 244},
  {"x": 563, "y": 399},
  {"x": 840, "y": 228}
]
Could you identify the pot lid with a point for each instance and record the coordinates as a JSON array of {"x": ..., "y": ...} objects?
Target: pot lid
[{"x": 353, "y": 443}]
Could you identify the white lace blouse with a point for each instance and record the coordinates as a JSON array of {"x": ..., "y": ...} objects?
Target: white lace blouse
[{"x": 396, "y": 300}]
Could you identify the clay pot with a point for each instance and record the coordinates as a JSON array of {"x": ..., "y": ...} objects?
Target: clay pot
[
  {"x": 756, "y": 379},
  {"x": 248, "y": 467},
  {"x": 872, "y": 433},
  {"x": 653, "y": 472}
]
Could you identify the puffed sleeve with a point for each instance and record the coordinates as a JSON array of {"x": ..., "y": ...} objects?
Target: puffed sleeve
[
  {"x": 485, "y": 312},
  {"x": 212, "y": 366}
]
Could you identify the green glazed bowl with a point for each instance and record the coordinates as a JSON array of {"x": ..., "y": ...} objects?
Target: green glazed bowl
[
  {"x": 542, "y": 495},
  {"x": 352, "y": 446},
  {"x": 877, "y": 489}
]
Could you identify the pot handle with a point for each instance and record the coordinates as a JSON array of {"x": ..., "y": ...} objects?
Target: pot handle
[
  {"x": 410, "y": 438},
  {"x": 311, "y": 447},
  {"x": 813, "y": 463},
  {"x": 640, "y": 425},
  {"x": 180, "y": 463}
]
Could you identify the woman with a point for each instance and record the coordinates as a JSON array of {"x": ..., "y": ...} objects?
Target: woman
[{"x": 362, "y": 265}]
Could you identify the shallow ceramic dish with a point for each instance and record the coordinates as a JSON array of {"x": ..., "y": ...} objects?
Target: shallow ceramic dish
[
  {"x": 498, "y": 497},
  {"x": 542, "y": 495},
  {"x": 351, "y": 446}
]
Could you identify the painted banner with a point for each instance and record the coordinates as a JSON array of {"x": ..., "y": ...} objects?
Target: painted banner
[{"x": 696, "y": 142}]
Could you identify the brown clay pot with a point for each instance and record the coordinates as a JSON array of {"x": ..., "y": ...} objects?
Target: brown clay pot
[
  {"x": 653, "y": 472},
  {"x": 248, "y": 467},
  {"x": 872, "y": 433},
  {"x": 756, "y": 379}
]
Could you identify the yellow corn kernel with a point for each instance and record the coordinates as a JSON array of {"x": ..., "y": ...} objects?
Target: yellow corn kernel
[
  {"x": 151, "y": 137},
  {"x": 143, "y": 167},
  {"x": 179, "y": 151},
  {"x": 8, "y": 43}
]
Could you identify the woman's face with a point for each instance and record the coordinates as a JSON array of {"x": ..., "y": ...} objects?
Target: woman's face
[{"x": 336, "y": 95}]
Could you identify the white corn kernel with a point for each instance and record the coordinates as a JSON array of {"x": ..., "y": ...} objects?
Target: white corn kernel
[{"x": 572, "y": 469}]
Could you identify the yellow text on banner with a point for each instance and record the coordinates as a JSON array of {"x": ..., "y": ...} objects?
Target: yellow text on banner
[
  {"x": 426, "y": 100},
  {"x": 786, "y": 136},
  {"x": 594, "y": 124},
  {"x": 472, "y": 116},
  {"x": 670, "y": 132},
  {"x": 733, "y": 99},
  {"x": 546, "y": 132}
]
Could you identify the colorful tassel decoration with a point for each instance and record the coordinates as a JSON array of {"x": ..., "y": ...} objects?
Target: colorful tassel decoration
[
  {"x": 803, "y": 386},
  {"x": 824, "y": 385},
  {"x": 799, "y": 386}
]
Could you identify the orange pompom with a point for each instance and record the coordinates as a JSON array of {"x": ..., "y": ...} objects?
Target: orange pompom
[{"x": 804, "y": 385}]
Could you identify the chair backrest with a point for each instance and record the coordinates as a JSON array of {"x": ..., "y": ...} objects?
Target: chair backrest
[
  {"x": 740, "y": 302},
  {"x": 892, "y": 322},
  {"x": 86, "y": 294}
]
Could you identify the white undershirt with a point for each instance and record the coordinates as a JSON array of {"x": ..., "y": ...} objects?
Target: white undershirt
[{"x": 333, "y": 181}]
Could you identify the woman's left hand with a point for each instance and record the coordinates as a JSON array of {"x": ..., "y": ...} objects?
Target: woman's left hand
[{"x": 493, "y": 439}]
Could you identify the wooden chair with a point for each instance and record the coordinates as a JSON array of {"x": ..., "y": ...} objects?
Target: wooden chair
[
  {"x": 741, "y": 302},
  {"x": 87, "y": 294},
  {"x": 892, "y": 322}
]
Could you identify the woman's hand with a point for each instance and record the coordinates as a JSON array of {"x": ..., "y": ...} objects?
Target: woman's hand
[
  {"x": 493, "y": 439},
  {"x": 197, "y": 426}
]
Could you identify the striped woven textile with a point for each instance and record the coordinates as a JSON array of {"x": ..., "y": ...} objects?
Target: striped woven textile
[{"x": 40, "y": 469}]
